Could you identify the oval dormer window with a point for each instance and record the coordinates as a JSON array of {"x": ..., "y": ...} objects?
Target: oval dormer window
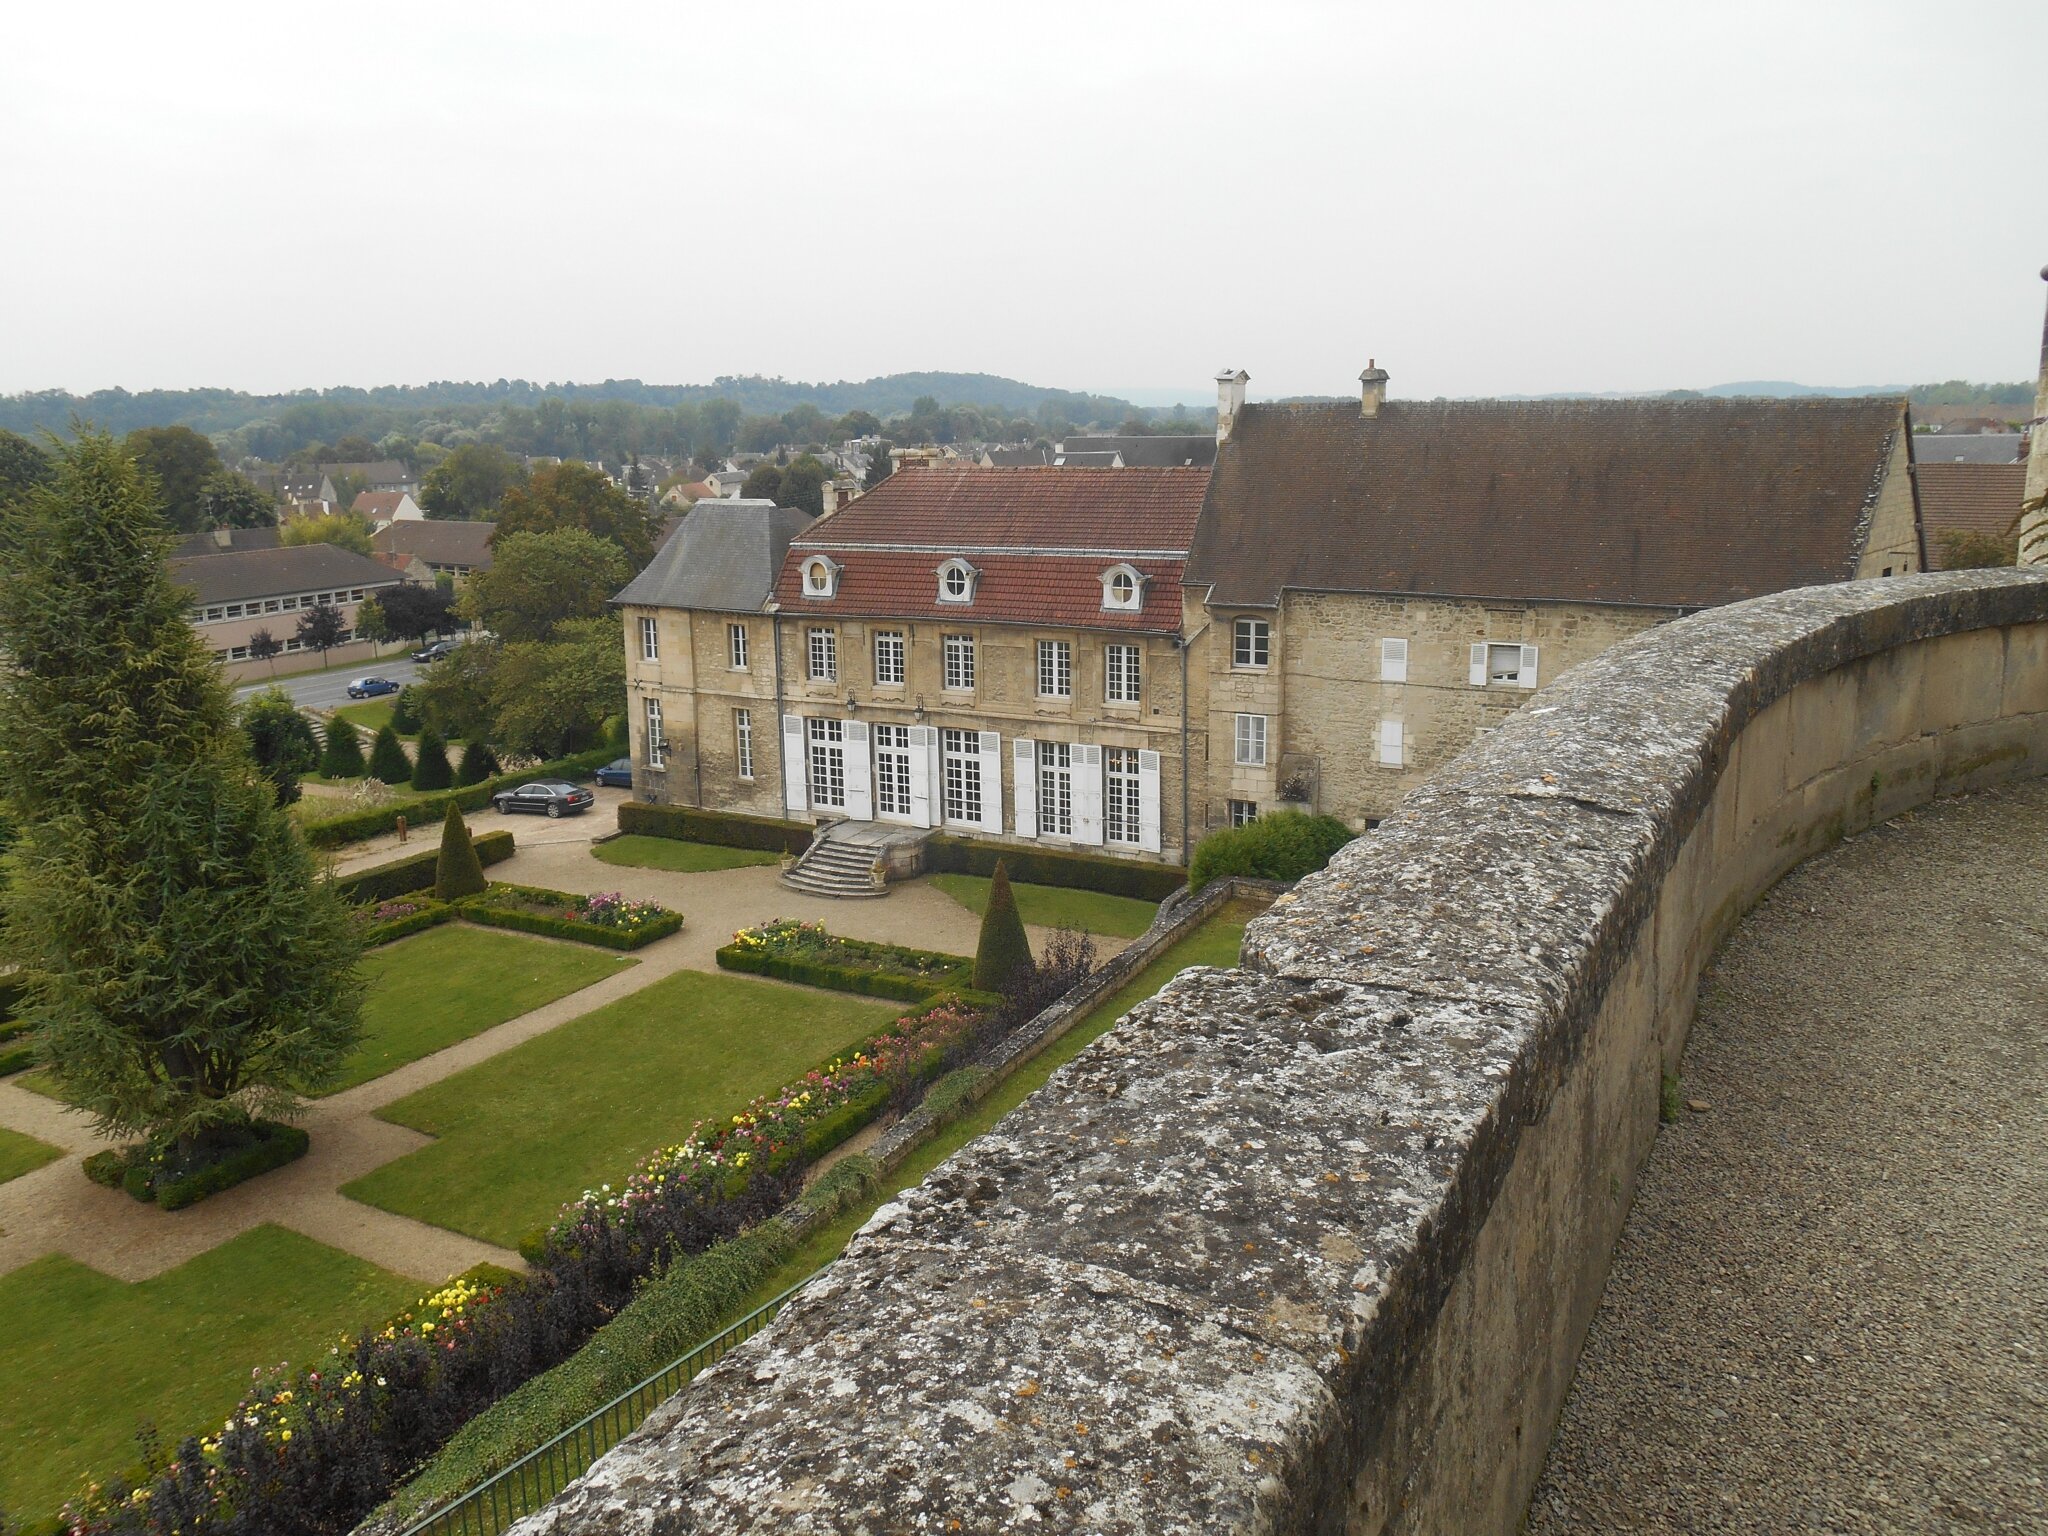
[
  {"x": 1121, "y": 589},
  {"x": 819, "y": 577},
  {"x": 956, "y": 582}
]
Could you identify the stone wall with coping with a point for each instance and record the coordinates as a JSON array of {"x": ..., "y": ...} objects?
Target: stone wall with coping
[{"x": 1310, "y": 1246}]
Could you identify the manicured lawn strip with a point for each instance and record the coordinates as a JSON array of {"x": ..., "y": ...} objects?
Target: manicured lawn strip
[
  {"x": 430, "y": 990},
  {"x": 641, "y": 852},
  {"x": 371, "y": 715},
  {"x": 1054, "y": 906},
  {"x": 86, "y": 1358},
  {"x": 525, "y": 1132},
  {"x": 21, "y": 1154}
]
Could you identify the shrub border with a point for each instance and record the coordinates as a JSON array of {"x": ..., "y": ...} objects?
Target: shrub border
[
  {"x": 126, "y": 1168},
  {"x": 478, "y": 909},
  {"x": 727, "y": 829},
  {"x": 899, "y": 987},
  {"x": 431, "y": 914},
  {"x": 945, "y": 854}
]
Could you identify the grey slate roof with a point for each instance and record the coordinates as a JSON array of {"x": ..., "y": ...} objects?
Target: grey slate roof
[
  {"x": 1149, "y": 452},
  {"x": 235, "y": 578},
  {"x": 1966, "y": 447},
  {"x": 723, "y": 558},
  {"x": 239, "y": 539}
]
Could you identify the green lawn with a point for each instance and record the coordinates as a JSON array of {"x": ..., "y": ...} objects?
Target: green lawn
[
  {"x": 21, "y": 1154},
  {"x": 86, "y": 1358},
  {"x": 1216, "y": 942},
  {"x": 523, "y": 1133},
  {"x": 1057, "y": 906},
  {"x": 672, "y": 853},
  {"x": 448, "y": 983},
  {"x": 371, "y": 715}
]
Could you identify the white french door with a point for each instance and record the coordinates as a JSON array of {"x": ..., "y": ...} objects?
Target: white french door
[
  {"x": 828, "y": 764},
  {"x": 892, "y": 771}
]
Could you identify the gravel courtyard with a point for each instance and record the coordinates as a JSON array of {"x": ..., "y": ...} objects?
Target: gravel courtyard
[{"x": 1829, "y": 1308}]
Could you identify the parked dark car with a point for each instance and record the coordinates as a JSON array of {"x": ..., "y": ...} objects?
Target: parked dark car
[
  {"x": 618, "y": 773},
  {"x": 370, "y": 687},
  {"x": 548, "y": 797},
  {"x": 434, "y": 652}
]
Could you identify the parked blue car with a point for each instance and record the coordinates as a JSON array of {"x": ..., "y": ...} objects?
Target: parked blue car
[
  {"x": 370, "y": 687},
  {"x": 618, "y": 773}
]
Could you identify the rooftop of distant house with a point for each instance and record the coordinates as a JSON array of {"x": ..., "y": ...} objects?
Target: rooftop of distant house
[
  {"x": 1968, "y": 498},
  {"x": 1968, "y": 447},
  {"x": 222, "y": 541},
  {"x": 259, "y": 573},
  {"x": 1148, "y": 451},
  {"x": 449, "y": 542}
]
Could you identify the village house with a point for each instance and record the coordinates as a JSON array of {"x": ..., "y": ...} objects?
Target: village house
[
  {"x": 385, "y": 507},
  {"x": 237, "y": 595},
  {"x": 1376, "y": 582},
  {"x": 989, "y": 651},
  {"x": 426, "y": 550}
]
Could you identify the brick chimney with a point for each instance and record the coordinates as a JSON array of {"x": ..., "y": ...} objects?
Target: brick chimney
[
  {"x": 831, "y": 493},
  {"x": 1372, "y": 389},
  {"x": 2034, "y": 501},
  {"x": 1229, "y": 400}
]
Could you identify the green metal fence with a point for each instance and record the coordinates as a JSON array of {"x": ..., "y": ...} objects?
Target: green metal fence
[{"x": 490, "y": 1508}]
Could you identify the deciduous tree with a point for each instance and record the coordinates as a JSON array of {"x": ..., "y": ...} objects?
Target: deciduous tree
[
  {"x": 229, "y": 500},
  {"x": 413, "y": 611},
  {"x": 572, "y": 495},
  {"x": 540, "y": 580},
  {"x": 551, "y": 697},
  {"x": 470, "y": 482},
  {"x": 264, "y": 646},
  {"x": 181, "y": 461},
  {"x": 319, "y": 629},
  {"x": 344, "y": 530}
]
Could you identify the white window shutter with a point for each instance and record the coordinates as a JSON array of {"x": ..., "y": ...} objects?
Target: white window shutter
[
  {"x": 793, "y": 763},
  {"x": 860, "y": 782},
  {"x": 921, "y": 774},
  {"x": 1390, "y": 743},
  {"x": 1148, "y": 801},
  {"x": 1478, "y": 677},
  {"x": 1393, "y": 661},
  {"x": 1024, "y": 775},
  {"x": 1527, "y": 679},
  {"x": 991, "y": 782},
  {"x": 1088, "y": 794}
]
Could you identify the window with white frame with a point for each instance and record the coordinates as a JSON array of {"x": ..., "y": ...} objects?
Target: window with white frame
[
  {"x": 1504, "y": 664},
  {"x": 962, "y": 753},
  {"x": 743, "y": 741},
  {"x": 892, "y": 770},
  {"x": 736, "y": 647},
  {"x": 650, "y": 641},
  {"x": 1251, "y": 741},
  {"x": 1055, "y": 789},
  {"x": 1391, "y": 744},
  {"x": 1055, "y": 669},
  {"x": 656, "y": 753},
  {"x": 1242, "y": 811},
  {"x": 1121, "y": 591},
  {"x": 820, "y": 577},
  {"x": 1122, "y": 681},
  {"x": 824, "y": 655},
  {"x": 959, "y": 661},
  {"x": 1251, "y": 643},
  {"x": 1393, "y": 661},
  {"x": 1121, "y": 797},
  {"x": 956, "y": 582},
  {"x": 889, "y": 658},
  {"x": 828, "y": 763}
]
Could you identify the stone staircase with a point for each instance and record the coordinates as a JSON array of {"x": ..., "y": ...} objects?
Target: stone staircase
[{"x": 835, "y": 867}]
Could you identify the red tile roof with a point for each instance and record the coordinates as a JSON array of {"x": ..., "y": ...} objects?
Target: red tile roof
[
  {"x": 1968, "y": 498},
  {"x": 1039, "y": 589},
  {"x": 958, "y": 510}
]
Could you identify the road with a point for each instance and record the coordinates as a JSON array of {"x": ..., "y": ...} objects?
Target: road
[{"x": 326, "y": 690}]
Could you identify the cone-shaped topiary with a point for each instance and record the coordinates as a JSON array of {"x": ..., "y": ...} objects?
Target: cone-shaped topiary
[
  {"x": 342, "y": 757},
  {"x": 405, "y": 715},
  {"x": 388, "y": 760},
  {"x": 479, "y": 762},
  {"x": 430, "y": 762},
  {"x": 458, "y": 872},
  {"x": 1002, "y": 960}
]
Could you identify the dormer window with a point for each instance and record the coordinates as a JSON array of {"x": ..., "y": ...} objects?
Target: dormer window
[
  {"x": 820, "y": 577},
  {"x": 1123, "y": 589},
  {"x": 956, "y": 582}
]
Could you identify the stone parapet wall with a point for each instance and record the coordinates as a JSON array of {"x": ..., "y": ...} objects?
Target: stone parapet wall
[{"x": 1311, "y": 1246}]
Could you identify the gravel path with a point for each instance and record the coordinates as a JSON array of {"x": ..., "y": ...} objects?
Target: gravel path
[{"x": 1829, "y": 1308}]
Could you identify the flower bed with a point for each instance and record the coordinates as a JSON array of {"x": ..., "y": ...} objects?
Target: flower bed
[
  {"x": 395, "y": 919},
  {"x": 161, "y": 1176},
  {"x": 805, "y": 952},
  {"x": 607, "y": 918}
]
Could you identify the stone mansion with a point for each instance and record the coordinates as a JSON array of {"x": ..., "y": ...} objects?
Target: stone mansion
[{"x": 1119, "y": 659}]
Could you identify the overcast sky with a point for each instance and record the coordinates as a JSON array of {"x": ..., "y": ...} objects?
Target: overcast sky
[{"x": 1486, "y": 198}]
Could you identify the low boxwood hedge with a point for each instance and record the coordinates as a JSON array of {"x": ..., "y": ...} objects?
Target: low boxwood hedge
[
  {"x": 727, "y": 829},
  {"x": 426, "y": 809},
  {"x": 415, "y": 872},
  {"x": 945, "y": 854},
  {"x": 16, "y": 1049},
  {"x": 270, "y": 1145},
  {"x": 431, "y": 914},
  {"x": 496, "y": 914},
  {"x": 845, "y": 978}
]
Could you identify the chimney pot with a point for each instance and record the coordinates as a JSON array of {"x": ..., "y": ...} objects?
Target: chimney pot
[{"x": 1230, "y": 384}]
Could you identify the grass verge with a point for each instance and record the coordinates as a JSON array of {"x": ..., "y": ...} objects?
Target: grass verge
[
  {"x": 1054, "y": 906},
  {"x": 86, "y": 1357},
  {"x": 21, "y": 1154},
  {"x": 638, "y": 851},
  {"x": 525, "y": 1132}
]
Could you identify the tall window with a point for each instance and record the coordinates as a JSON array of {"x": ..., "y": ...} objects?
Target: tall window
[
  {"x": 1251, "y": 643},
  {"x": 824, "y": 649},
  {"x": 888, "y": 657},
  {"x": 736, "y": 647},
  {"x": 828, "y": 763},
  {"x": 1055, "y": 789},
  {"x": 1122, "y": 681},
  {"x": 1390, "y": 744},
  {"x": 1055, "y": 669},
  {"x": 1251, "y": 741},
  {"x": 962, "y": 751},
  {"x": 656, "y": 748},
  {"x": 743, "y": 741},
  {"x": 650, "y": 641},
  {"x": 1120, "y": 794},
  {"x": 959, "y": 651},
  {"x": 892, "y": 770}
]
